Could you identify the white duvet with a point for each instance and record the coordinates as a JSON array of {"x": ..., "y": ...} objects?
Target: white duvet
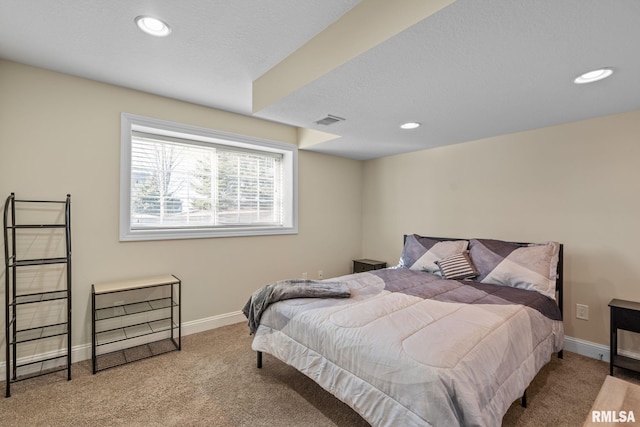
[{"x": 403, "y": 360}]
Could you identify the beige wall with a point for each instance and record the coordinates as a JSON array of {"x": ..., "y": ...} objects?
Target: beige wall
[
  {"x": 61, "y": 134},
  {"x": 577, "y": 183}
]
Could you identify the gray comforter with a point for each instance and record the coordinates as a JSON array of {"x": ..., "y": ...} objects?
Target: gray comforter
[
  {"x": 411, "y": 349},
  {"x": 288, "y": 289}
]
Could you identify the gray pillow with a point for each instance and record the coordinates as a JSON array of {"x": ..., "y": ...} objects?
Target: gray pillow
[
  {"x": 421, "y": 253},
  {"x": 531, "y": 267}
]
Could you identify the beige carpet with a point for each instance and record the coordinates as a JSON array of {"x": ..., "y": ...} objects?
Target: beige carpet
[
  {"x": 617, "y": 395},
  {"x": 213, "y": 381}
]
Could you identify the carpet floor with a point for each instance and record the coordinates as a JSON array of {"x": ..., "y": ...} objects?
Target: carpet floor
[{"x": 214, "y": 381}]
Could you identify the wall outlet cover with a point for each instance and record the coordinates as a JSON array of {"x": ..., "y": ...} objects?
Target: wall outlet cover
[{"x": 582, "y": 311}]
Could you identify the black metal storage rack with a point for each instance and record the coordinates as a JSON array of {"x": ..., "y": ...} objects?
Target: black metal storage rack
[
  {"x": 146, "y": 322},
  {"x": 18, "y": 261}
]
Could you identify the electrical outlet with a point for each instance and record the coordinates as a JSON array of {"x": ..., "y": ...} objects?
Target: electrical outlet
[
  {"x": 118, "y": 309},
  {"x": 582, "y": 311},
  {"x": 320, "y": 274},
  {"x": 304, "y": 276}
]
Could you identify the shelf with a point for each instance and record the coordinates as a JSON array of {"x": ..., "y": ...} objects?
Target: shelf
[
  {"x": 38, "y": 226},
  {"x": 61, "y": 202},
  {"x": 626, "y": 363},
  {"x": 39, "y": 261},
  {"x": 20, "y": 283},
  {"x": 151, "y": 324},
  {"x": 41, "y": 332},
  {"x": 127, "y": 285},
  {"x": 132, "y": 354},
  {"x": 39, "y": 297},
  {"x": 134, "y": 308},
  {"x": 111, "y": 336},
  {"x": 48, "y": 366}
]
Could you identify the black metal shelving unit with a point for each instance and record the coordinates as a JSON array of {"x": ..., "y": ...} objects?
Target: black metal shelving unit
[
  {"x": 19, "y": 262},
  {"x": 148, "y": 325}
]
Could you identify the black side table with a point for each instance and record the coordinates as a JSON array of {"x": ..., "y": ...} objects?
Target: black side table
[
  {"x": 624, "y": 315},
  {"x": 360, "y": 265}
]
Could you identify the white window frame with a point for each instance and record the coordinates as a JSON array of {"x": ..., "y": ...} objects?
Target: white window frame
[{"x": 132, "y": 122}]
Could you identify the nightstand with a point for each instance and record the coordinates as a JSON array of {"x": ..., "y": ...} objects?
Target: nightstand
[
  {"x": 624, "y": 315},
  {"x": 360, "y": 265}
]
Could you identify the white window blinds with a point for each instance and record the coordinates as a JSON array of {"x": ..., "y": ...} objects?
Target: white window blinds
[
  {"x": 181, "y": 182},
  {"x": 178, "y": 183}
]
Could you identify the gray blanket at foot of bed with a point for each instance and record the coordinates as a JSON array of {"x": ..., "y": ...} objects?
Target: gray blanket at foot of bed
[{"x": 288, "y": 289}]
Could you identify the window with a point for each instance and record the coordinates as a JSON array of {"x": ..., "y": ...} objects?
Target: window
[{"x": 179, "y": 182}]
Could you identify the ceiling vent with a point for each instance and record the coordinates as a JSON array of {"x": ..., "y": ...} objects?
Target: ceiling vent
[{"x": 329, "y": 120}]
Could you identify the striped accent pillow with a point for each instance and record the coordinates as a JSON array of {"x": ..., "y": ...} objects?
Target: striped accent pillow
[{"x": 458, "y": 266}]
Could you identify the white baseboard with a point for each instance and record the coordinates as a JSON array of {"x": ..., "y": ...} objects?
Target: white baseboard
[
  {"x": 587, "y": 348},
  {"x": 213, "y": 322},
  {"x": 83, "y": 351},
  {"x": 593, "y": 350}
]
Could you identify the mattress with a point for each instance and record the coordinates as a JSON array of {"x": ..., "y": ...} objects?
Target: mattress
[{"x": 410, "y": 348}]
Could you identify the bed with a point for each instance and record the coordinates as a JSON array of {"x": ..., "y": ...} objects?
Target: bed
[{"x": 452, "y": 335}]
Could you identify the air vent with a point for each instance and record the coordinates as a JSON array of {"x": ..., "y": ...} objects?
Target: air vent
[{"x": 329, "y": 120}]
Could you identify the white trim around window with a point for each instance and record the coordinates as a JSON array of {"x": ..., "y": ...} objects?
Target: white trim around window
[{"x": 212, "y": 184}]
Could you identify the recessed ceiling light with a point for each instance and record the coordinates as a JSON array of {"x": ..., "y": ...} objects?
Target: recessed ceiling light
[
  {"x": 410, "y": 125},
  {"x": 593, "y": 76},
  {"x": 153, "y": 26}
]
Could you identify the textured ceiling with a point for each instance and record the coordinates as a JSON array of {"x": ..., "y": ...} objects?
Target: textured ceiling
[
  {"x": 217, "y": 47},
  {"x": 475, "y": 69}
]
